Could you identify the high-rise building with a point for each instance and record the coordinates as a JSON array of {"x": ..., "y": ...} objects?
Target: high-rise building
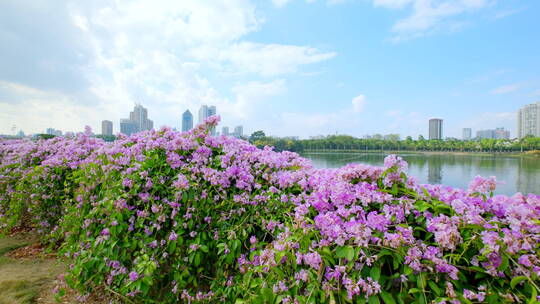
[
  {"x": 128, "y": 127},
  {"x": 138, "y": 121},
  {"x": 205, "y": 112},
  {"x": 225, "y": 131},
  {"x": 238, "y": 131},
  {"x": 140, "y": 116},
  {"x": 187, "y": 121},
  {"x": 435, "y": 128},
  {"x": 467, "y": 133},
  {"x": 212, "y": 111},
  {"x": 106, "y": 127},
  {"x": 528, "y": 118}
]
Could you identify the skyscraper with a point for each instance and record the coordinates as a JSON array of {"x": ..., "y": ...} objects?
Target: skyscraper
[
  {"x": 128, "y": 127},
  {"x": 435, "y": 128},
  {"x": 467, "y": 133},
  {"x": 225, "y": 131},
  {"x": 238, "y": 131},
  {"x": 205, "y": 112},
  {"x": 138, "y": 121},
  {"x": 106, "y": 127},
  {"x": 187, "y": 121},
  {"x": 140, "y": 116},
  {"x": 528, "y": 118}
]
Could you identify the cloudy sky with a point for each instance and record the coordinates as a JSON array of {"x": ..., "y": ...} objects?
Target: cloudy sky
[{"x": 289, "y": 67}]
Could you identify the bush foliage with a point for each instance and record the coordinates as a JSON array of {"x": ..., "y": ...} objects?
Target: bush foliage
[{"x": 163, "y": 217}]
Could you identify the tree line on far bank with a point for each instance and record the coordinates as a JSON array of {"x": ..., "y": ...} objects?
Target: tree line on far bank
[{"x": 350, "y": 143}]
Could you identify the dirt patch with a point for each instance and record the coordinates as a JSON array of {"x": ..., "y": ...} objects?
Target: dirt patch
[
  {"x": 29, "y": 279},
  {"x": 29, "y": 272},
  {"x": 32, "y": 251}
]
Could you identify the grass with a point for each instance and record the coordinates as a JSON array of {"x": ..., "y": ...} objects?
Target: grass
[{"x": 27, "y": 280}]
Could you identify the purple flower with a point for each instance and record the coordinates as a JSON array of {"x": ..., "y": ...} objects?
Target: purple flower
[
  {"x": 173, "y": 236},
  {"x": 253, "y": 240},
  {"x": 133, "y": 276}
]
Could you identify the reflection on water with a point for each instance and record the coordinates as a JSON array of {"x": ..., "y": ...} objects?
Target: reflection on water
[{"x": 519, "y": 174}]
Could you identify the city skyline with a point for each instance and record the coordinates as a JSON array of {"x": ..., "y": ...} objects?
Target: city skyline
[{"x": 347, "y": 67}]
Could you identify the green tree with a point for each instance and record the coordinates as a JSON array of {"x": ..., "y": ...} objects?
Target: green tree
[{"x": 257, "y": 135}]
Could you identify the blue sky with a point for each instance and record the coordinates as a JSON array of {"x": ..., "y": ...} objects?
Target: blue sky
[{"x": 291, "y": 67}]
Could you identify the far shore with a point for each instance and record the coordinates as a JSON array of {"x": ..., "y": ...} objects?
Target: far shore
[{"x": 513, "y": 153}]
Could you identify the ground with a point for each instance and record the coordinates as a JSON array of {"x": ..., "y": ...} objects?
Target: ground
[{"x": 27, "y": 272}]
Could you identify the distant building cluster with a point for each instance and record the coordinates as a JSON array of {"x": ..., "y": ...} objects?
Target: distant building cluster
[
  {"x": 206, "y": 111},
  {"x": 52, "y": 131},
  {"x": 528, "y": 120},
  {"x": 138, "y": 121},
  {"x": 528, "y": 124},
  {"x": 499, "y": 133}
]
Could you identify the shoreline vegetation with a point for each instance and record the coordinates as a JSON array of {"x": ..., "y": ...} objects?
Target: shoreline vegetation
[
  {"x": 350, "y": 143},
  {"x": 170, "y": 217},
  {"x": 528, "y": 153}
]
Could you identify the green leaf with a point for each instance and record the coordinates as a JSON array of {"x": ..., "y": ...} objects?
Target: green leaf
[
  {"x": 387, "y": 298},
  {"x": 374, "y": 300},
  {"x": 345, "y": 252},
  {"x": 375, "y": 273},
  {"x": 517, "y": 280},
  {"x": 435, "y": 288},
  {"x": 533, "y": 299},
  {"x": 421, "y": 281}
]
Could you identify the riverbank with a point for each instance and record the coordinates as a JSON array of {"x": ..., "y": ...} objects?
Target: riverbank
[{"x": 520, "y": 154}]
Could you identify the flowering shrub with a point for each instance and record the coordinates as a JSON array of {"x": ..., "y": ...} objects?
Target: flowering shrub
[{"x": 163, "y": 217}]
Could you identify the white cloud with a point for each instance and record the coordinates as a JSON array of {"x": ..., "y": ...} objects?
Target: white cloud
[
  {"x": 506, "y": 89},
  {"x": 506, "y": 13},
  {"x": 429, "y": 16},
  {"x": 168, "y": 55},
  {"x": 392, "y": 4},
  {"x": 280, "y": 3},
  {"x": 358, "y": 103},
  {"x": 270, "y": 59}
]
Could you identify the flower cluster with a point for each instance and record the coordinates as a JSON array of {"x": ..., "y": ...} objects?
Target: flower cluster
[{"x": 170, "y": 217}]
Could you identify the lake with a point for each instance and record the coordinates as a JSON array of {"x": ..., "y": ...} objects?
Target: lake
[{"x": 518, "y": 174}]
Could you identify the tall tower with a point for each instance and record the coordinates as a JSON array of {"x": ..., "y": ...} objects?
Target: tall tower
[
  {"x": 205, "y": 112},
  {"x": 529, "y": 120},
  {"x": 106, "y": 127},
  {"x": 187, "y": 121},
  {"x": 435, "y": 128},
  {"x": 467, "y": 133}
]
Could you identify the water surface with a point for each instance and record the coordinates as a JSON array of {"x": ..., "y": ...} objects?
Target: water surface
[{"x": 519, "y": 174}]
